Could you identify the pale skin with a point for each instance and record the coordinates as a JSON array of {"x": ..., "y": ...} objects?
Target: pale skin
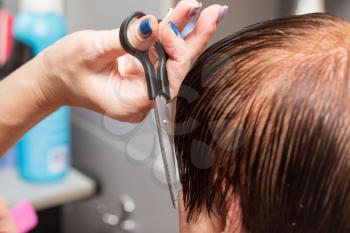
[
  {"x": 230, "y": 222},
  {"x": 90, "y": 69}
]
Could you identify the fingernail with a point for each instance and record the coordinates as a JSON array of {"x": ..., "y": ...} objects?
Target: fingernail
[
  {"x": 170, "y": 10},
  {"x": 223, "y": 12},
  {"x": 194, "y": 10},
  {"x": 174, "y": 28},
  {"x": 146, "y": 28}
]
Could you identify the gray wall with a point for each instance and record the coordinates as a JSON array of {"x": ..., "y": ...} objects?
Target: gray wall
[
  {"x": 102, "y": 14},
  {"x": 337, "y": 7},
  {"x": 10, "y": 4},
  {"x": 243, "y": 13},
  {"x": 121, "y": 156}
]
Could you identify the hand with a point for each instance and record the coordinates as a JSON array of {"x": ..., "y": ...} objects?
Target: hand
[
  {"x": 90, "y": 69},
  {"x": 6, "y": 223}
]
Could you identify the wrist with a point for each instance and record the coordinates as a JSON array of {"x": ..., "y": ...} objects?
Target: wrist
[
  {"x": 47, "y": 84},
  {"x": 27, "y": 97}
]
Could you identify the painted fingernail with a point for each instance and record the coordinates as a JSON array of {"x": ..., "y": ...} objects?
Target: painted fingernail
[
  {"x": 194, "y": 10},
  {"x": 170, "y": 10},
  {"x": 174, "y": 28},
  {"x": 223, "y": 12},
  {"x": 146, "y": 28}
]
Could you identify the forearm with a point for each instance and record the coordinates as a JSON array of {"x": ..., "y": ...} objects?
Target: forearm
[{"x": 23, "y": 102}]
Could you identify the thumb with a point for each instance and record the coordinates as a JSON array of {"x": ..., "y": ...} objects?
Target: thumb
[{"x": 142, "y": 34}]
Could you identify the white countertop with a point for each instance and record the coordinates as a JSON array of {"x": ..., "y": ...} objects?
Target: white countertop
[{"x": 74, "y": 187}]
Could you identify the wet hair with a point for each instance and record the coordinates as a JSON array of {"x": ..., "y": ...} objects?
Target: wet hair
[{"x": 265, "y": 113}]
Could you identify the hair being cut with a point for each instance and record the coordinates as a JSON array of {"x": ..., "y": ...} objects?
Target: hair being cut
[{"x": 265, "y": 113}]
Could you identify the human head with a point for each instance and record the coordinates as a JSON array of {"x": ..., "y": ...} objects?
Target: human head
[{"x": 262, "y": 128}]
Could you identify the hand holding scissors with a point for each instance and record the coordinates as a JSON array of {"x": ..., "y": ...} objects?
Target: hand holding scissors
[{"x": 158, "y": 92}]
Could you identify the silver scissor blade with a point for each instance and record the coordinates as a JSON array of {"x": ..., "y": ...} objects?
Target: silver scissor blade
[{"x": 166, "y": 142}]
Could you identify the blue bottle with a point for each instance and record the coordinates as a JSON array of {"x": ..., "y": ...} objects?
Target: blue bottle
[{"x": 44, "y": 152}]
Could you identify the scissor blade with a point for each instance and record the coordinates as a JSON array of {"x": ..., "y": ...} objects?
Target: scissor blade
[{"x": 166, "y": 142}]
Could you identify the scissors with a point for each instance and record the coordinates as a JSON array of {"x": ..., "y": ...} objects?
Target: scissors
[{"x": 158, "y": 91}]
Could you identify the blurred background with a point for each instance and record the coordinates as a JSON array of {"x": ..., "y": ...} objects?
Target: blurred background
[{"x": 103, "y": 175}]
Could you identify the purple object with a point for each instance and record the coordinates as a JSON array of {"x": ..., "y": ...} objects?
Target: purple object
[{"x": 24, "y": 217}]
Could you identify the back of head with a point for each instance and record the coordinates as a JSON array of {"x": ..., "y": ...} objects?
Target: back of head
[{"x": 264, "y": 115}]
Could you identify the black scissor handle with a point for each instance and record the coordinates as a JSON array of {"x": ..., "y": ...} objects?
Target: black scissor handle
[
  {"x": 162, "y": 71},
  {"x": 155, "y": 85},
  {"x": 152, "y": 83}
]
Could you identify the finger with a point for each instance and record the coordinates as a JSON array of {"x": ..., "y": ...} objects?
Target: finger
[
  {"x": 205, "y": 28},
  {"x": 6, "y": 222},
  {"x": 154, "y": 56},
  {"x": 171, "y": 27},
  {"x": 3, "y": 208},
  {"x": 129, "y": 66},
  {"x": 183, "y": 13},
  {"x": 142, "y": 34},
  {"x": 173, "y": 44}
]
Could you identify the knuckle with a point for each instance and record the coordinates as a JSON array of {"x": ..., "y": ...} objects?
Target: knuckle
[
  {"x": 83, "y": 41},
  {"x": 142, "y": 118},
  {"x": 138, "y": 118}
]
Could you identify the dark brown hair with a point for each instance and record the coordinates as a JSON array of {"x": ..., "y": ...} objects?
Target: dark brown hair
[{"x": 265, "y": 112}]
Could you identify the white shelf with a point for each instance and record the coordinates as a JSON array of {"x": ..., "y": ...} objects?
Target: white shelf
[{"x": 74, "y": 187}]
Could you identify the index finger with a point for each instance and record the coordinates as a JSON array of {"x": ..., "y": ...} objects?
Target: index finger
[{"x": 204, "y": 29}]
